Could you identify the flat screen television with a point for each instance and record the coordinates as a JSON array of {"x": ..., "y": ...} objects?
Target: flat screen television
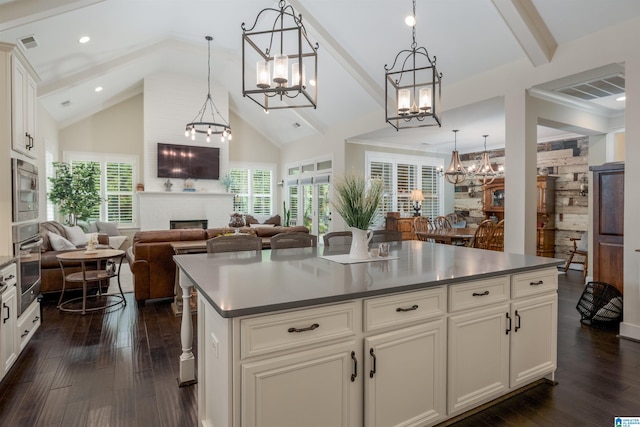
[{"x": 188, "y": 161}]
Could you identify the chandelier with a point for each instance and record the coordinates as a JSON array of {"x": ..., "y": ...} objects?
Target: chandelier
[
  {"x": 414, "y": 88},
  {"x": 484, "y": 174},
  {"x": 271, "y": 49},
  {"x": 199, "y": 124},
  {"x": 455, "y": 173}
]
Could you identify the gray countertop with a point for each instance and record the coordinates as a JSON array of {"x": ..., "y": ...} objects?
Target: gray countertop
[
  {"x": 6, "y": 260},
  {"x": 242, "y": 283}
]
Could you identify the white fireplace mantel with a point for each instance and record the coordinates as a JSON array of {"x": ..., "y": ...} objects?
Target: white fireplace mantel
[{"x": 157, "y": 208}]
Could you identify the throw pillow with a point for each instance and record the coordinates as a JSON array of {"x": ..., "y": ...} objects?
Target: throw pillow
[
  {"x": 59, "y": 243},
  {"x": 76, "y": 235},
  {"x": 92, "y": 228},
  {"x": 249, "y": 219},
  {"x": 108, "y": 228},
  {"x": 261, "y": 225},
  {"x": 275, "y": 220}
]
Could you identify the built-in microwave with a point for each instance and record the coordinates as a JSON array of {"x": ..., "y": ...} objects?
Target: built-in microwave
[{"x": 25, "y": 190}]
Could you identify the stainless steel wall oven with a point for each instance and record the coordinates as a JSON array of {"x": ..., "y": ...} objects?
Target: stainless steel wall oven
[
  {"x": 25, "y": 190},
  {"x": 27, "y": 245}
]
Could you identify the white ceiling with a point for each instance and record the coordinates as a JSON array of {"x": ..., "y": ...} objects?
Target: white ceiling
[{"x": 134, "y": 38}]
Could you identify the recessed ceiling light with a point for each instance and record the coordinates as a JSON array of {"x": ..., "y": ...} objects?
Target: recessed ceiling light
[
  {"x": 84, "y": 39},
  {"x": 621, "y": 98},
  {"x": 98, "y": 89}
]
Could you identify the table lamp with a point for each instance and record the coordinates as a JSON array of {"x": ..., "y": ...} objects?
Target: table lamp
[{"x": 416, "y": 198}]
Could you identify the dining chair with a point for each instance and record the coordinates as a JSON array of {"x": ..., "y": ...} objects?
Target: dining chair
[
  {"x": 580, "y": 247},
  {"x": 422, "y": 225},
  {"x": 337, "y": 238},
  {"x": 234, "y": 242},
  {"x": 456, "y": 220},
  {"x": 379, "y": 236},
  {"x": 482, "y": 234},
  {"x": 496, "y": 240},
  {"x": 294, "y": 239},
  {"x": 441, "y": 222}
]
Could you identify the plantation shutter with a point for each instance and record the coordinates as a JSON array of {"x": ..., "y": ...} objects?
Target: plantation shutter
[
  {"x": 119, "y": 192},
  {"x": 431, "y": 183},
  {"x": 240, "y": 187},
  {"x": 262, "y": 192},
  {"x": 407, "y": 181},
  {"x": 384, "y": 172}
]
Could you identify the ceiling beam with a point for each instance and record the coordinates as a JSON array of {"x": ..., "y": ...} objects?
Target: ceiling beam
[
  {"x": 335, "y": 49},
  {"x": 14, "y": 14},
  {"x": 526, "y": 24}
]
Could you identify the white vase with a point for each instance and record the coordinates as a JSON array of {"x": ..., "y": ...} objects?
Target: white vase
[{"x": 359, "y": 243}]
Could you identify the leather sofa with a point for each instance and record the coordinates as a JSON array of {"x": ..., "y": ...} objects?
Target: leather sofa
[
  {"x": 151, "y": 255},
  {"x": 50, "y": 271}
]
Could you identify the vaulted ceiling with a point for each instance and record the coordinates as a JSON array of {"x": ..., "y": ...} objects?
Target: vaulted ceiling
[{"x": 131, "y": 39}]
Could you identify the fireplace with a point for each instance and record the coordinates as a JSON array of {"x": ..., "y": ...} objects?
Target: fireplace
[{"x": 188, "y": 223}]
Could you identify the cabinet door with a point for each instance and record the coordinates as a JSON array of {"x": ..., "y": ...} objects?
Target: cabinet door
[
  {"x": 405, "y": 376},
  {"x": 533, "y": 338},
  {"x": 478, "y": 364},
  {"x": 30, "y": 115},
  {"x": 19, "y": 141},
  {"x": 312, "y": 388},
  {"x": 8, "y": 341}
]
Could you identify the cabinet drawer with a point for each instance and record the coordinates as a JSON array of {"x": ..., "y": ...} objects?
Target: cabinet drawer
[
  {"x": 536, "y": 282},
  {"x": 398, "y": 310},
  {"x": 28, "y": 322},
  {"x": 478, "y": 293},
  {"x": 265, "y": 334}
]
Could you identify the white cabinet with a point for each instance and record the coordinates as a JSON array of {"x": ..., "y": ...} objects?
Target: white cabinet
[
  {"x": 405, "y": 376},
  {"x": 28, "y": 323},
  {"x": 503, "y": 343},
  {"x": 23, "y": 108},
  {"x": 8, "y": 339}
]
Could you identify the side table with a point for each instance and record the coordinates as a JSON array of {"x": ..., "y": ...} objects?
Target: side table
[{"x": 86, "y": 276}]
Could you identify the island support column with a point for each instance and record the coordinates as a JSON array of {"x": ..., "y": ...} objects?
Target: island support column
[{"x": 187, "y": 375}]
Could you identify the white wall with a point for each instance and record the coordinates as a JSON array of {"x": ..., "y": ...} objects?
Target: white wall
[{"x": 170, "y": 102}]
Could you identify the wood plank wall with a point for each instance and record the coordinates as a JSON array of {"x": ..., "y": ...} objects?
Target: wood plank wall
[{"x": 566, "y": 159}]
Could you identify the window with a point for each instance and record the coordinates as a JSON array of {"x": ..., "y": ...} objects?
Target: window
[
  {"x": 253, "y": 188},
  {"x": 117, "y": 177},
  {"x": 401, "y": 174}
]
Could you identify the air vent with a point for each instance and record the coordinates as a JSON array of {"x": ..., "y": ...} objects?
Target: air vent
[
  {"x": 29, "y": 42},
  {"x": 65, "y": 103},
  {"x": 296, "y": 125},
  {"x": 600, "y": 88}
]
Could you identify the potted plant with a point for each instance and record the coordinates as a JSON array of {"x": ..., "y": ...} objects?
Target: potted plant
[
  {"x": 75, "y": 192},
  {"x": 357, "y": 201}
]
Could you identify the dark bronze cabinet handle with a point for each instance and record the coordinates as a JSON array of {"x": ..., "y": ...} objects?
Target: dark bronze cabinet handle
[
  {"x": 35, "y": 319},
  {"x": 8, "y": 313},
  {"x": 508, "y": 327},
  {"x": 413, "y": 307},
  {"x": 24, "y": 334},
  {"x": 478, "y": 294},
  {"x": 373, "y": 356},
  {"x": 518, "y": 321},
  {"x": 539, "y": 282},
  {"x": 355, "y": 366},
  {"x": 310, "y": 328}
]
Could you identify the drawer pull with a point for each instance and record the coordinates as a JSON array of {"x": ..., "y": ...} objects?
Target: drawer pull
[
  {"x": 355, "y": 366},
  {"x": 539, "y": 282},
  {"x": 478, "y": 294},
  {"x": 413, "y": 307},
  {"x": 518, "y": 323},
  {"x": 508, "y": 327},
  {"x": 310, "y": 328},
  {"x": 373, "y": 356},
  {"x": 35, "y": 319},
  {"x": 24, "y": 334}
]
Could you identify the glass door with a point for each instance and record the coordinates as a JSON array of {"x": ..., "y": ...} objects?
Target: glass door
[{"x": 316, "y": 209}]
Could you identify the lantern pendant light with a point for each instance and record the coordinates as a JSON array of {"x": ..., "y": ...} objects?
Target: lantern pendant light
[{"x": 455, "y": 173}]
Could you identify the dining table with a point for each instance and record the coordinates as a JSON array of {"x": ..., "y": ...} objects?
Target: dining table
[{"x": 448, "y": 236}]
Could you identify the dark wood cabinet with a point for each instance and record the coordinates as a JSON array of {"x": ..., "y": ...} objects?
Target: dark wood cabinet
[
  {"x": 493, "y": 207},
  {"x": 608, "y": 223}
]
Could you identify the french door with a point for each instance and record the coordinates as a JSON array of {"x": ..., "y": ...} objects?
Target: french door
[{"x": 315, "y": 208}]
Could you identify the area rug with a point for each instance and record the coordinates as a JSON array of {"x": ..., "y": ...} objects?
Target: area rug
[{"x": 126, "y": 281}]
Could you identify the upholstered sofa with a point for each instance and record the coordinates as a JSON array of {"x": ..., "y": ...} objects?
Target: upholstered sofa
[
  {"x": 50, "y": 271},
  {"x": 151, "y": 255}
]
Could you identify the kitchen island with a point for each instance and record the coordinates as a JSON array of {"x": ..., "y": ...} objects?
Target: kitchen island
[{"x": 291, "y": 337}]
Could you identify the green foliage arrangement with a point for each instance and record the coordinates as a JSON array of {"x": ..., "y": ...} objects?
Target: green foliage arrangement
[
  {"x": 357, "y": 200},
  {"x": 227, "y": 182},
  {"x": 76, "y": 191},
  {"x": 287, "y": 214}
]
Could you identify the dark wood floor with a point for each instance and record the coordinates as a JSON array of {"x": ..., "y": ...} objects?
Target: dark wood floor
[{"x": 120, "y": 369}]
